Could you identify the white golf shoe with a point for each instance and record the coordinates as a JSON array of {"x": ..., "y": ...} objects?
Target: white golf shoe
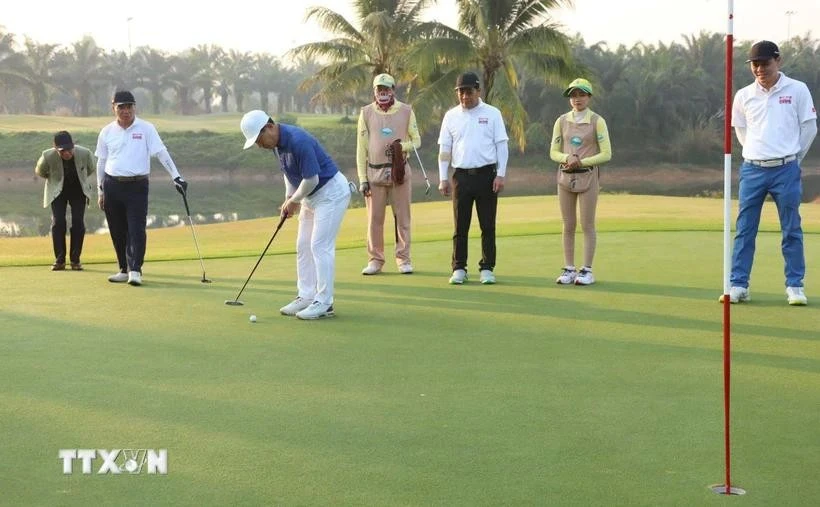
[
  {"x": 458, "y": 278},
  {"x": 295, "y": 306},
  {"x": 567, "y": 276},
  {"x": 406, "y": 268},
  {"x": 487, "y": 277},
  {"x": 796, "y": 296},
  {"x": 118, "y": 278},
  {"x": 134, "y": 278},
  {"x": 585, "y": 277},
  {"x": 372, "y": 268},
  {"x": 737, "y": 295},
  {"x": 316, "y": 310}
]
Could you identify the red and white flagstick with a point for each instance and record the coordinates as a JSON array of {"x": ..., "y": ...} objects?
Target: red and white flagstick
[{"x": 727, "y": 488}]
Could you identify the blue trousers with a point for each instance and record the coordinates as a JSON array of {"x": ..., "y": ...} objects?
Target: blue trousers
[
  {"x": 785, "y": 186},
  {"x": 126, "y": 209}
]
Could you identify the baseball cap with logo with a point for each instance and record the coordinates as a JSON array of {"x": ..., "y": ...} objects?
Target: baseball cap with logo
[
  {"x": 763, "y": 50},
  {"x": 384, "y": 80},
  {"x": 63, "y": 141},
  {"x": 468, "y": 80},
  {"x": 578, "y": 84},
  {"x": 123, "y": 97}
]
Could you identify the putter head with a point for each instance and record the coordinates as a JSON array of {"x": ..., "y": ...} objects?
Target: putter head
[
  {"x": 234, "y": 302},
  {"x": 206, "y": 280},
  {"x": 427, "y": 189}
]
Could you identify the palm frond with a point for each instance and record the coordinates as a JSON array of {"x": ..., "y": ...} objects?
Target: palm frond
[
  {"x": 505, "y": 97},
  {"x": 333, "y": 22}
]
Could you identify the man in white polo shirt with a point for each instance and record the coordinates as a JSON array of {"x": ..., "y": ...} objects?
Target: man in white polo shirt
[
  {"x": 775, "y": 121},
  {"x": 473, "y": 141},
  {"x": 124, "y": 150}
]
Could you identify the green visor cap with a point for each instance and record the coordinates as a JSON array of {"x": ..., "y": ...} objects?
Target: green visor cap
[{"x": 580, "y": 84}]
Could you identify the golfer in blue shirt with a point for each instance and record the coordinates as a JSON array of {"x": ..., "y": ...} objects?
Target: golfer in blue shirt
[{"x": 313, "y": 183}]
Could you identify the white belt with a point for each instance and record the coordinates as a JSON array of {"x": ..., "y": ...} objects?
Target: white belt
[{"x": 774, "y": 162}]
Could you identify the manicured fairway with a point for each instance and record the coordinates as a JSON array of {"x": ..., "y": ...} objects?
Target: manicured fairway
[{"x": 418, "y": 393}]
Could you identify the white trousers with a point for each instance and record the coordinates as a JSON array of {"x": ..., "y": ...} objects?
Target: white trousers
[{"x": 319, "y": 221}]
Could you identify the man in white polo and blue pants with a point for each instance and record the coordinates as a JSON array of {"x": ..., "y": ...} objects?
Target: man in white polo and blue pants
[
  {"x": 124, "y": 150},
  {"x": 775, "y": 121}
]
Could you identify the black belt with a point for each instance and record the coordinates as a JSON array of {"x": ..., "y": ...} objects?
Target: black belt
[
  {"x": 379, "y": 166},
  {"x": 127, "y": 179},
  {"x": 476, "y": 170},
  {"x": 577, "y": 171}
]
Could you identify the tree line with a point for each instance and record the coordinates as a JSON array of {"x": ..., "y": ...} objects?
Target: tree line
[{"x": 663, "y": 102}]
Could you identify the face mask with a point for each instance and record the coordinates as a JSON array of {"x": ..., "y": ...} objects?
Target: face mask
[{"x": 384, "y": 97}]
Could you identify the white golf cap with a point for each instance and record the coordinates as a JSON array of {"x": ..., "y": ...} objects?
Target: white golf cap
[{"x": 252, "y": 124}]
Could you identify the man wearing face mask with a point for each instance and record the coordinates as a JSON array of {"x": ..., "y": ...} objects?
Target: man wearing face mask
[{"x": 386, "y": 125}]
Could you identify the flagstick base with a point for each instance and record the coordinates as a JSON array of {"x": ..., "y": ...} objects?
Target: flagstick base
[{"x": 720, "y": 489}]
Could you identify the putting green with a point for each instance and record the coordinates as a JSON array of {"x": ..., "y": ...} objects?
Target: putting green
[{"x": 419, "y": 392}]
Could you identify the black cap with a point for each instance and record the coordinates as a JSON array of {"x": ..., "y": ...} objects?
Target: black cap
[
  {"x": 468, "y": 80},
  {"x": 763, "y": 50},
  {"x": 123, "y": 97},
  {"x": 63, "y": 141}
]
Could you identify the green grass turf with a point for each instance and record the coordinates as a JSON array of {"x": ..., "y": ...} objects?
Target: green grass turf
[{"x": 418, "y": 393}]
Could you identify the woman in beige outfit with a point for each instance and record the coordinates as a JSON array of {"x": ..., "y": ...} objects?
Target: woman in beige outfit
[{"x": 580, "y": 142}]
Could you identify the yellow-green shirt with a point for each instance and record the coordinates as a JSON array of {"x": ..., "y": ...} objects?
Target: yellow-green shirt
[{"x": 603, "y": 156}]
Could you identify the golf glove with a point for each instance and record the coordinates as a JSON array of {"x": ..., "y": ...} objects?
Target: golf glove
[
  {"x": 181, "y": 185},
  {"x": 364, "y": 188}
]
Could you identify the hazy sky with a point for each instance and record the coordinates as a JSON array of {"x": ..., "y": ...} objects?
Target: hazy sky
[{"x": 268, "y": 26}]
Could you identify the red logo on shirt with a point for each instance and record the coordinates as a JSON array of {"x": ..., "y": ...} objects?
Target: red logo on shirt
[
  {"x": 136, "y": 135},
  {"x": 483, "y": 121},
  {"x": 786, "y": 99}
]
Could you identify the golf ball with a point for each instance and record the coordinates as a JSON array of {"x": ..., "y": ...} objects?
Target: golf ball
[{"x": 253, "y": 318}]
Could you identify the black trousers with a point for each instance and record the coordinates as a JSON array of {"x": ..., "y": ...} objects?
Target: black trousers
[
  {"x": 126, "y": 209},
  {"x": 59, "y": 224},
  {"x": 474, "y": 186}
]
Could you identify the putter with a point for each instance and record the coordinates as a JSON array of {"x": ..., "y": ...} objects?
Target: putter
[
  {"x": 236, "y": 301},
  {"x": 426, "y": 181},
  {"x": 196, "y": 242}
]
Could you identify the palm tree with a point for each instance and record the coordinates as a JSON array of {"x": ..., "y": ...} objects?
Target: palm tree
[
  {"x": 12, "y": 68},
  {"x": 185, "y": 77},
  {"x": 500, "y": 39},
  {"x": 265, "y": 76},
  {"x": 355, "y": 56},
  {"x": 232, "y": 76},
  {"x": 118, "y": 69},
  {"x": 153, "y": 68},
  {"x": 205, "y": 57},
  {"x": 39, "y": 66},
  {"x": 801, "y": 55},
  {"x": 303, "y": 69},
  {"x": 80, "y": 71}
]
